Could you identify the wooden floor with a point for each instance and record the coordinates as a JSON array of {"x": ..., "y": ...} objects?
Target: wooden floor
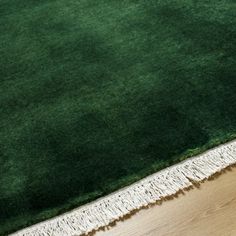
[{"x": 206, "y": 211}]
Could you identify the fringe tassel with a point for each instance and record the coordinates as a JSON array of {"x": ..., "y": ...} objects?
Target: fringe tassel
[{"x": 155, "y": 187}]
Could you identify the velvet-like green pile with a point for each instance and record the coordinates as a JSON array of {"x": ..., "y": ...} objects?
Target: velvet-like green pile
[{"x": 97, "y": 94}]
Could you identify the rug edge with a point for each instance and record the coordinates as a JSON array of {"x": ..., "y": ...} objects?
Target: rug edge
[{"x": 149, "y": 190}]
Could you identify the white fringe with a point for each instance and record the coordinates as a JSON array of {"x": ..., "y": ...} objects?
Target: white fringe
[{"x": 155, "y": 187}]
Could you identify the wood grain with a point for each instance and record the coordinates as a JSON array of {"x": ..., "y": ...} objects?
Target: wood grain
[{"x": 207, "y": 210}]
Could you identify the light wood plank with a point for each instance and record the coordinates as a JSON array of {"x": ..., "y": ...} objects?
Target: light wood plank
[{"x": 207, "y": 210}]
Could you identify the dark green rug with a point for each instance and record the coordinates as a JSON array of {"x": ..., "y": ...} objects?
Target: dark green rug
[{"x": 97, "y": 94}]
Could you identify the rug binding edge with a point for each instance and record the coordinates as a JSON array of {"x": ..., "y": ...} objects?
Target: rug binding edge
[{"x": 154, "y": 188}]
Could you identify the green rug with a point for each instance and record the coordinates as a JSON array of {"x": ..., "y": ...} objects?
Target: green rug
[{"x": 95, "y": 95}]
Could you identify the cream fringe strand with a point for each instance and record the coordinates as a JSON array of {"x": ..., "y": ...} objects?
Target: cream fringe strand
[{"x": 164, "y": 183}]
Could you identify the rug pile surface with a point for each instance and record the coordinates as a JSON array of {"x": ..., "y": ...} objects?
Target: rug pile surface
[{"x": 95, "y": 95}]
